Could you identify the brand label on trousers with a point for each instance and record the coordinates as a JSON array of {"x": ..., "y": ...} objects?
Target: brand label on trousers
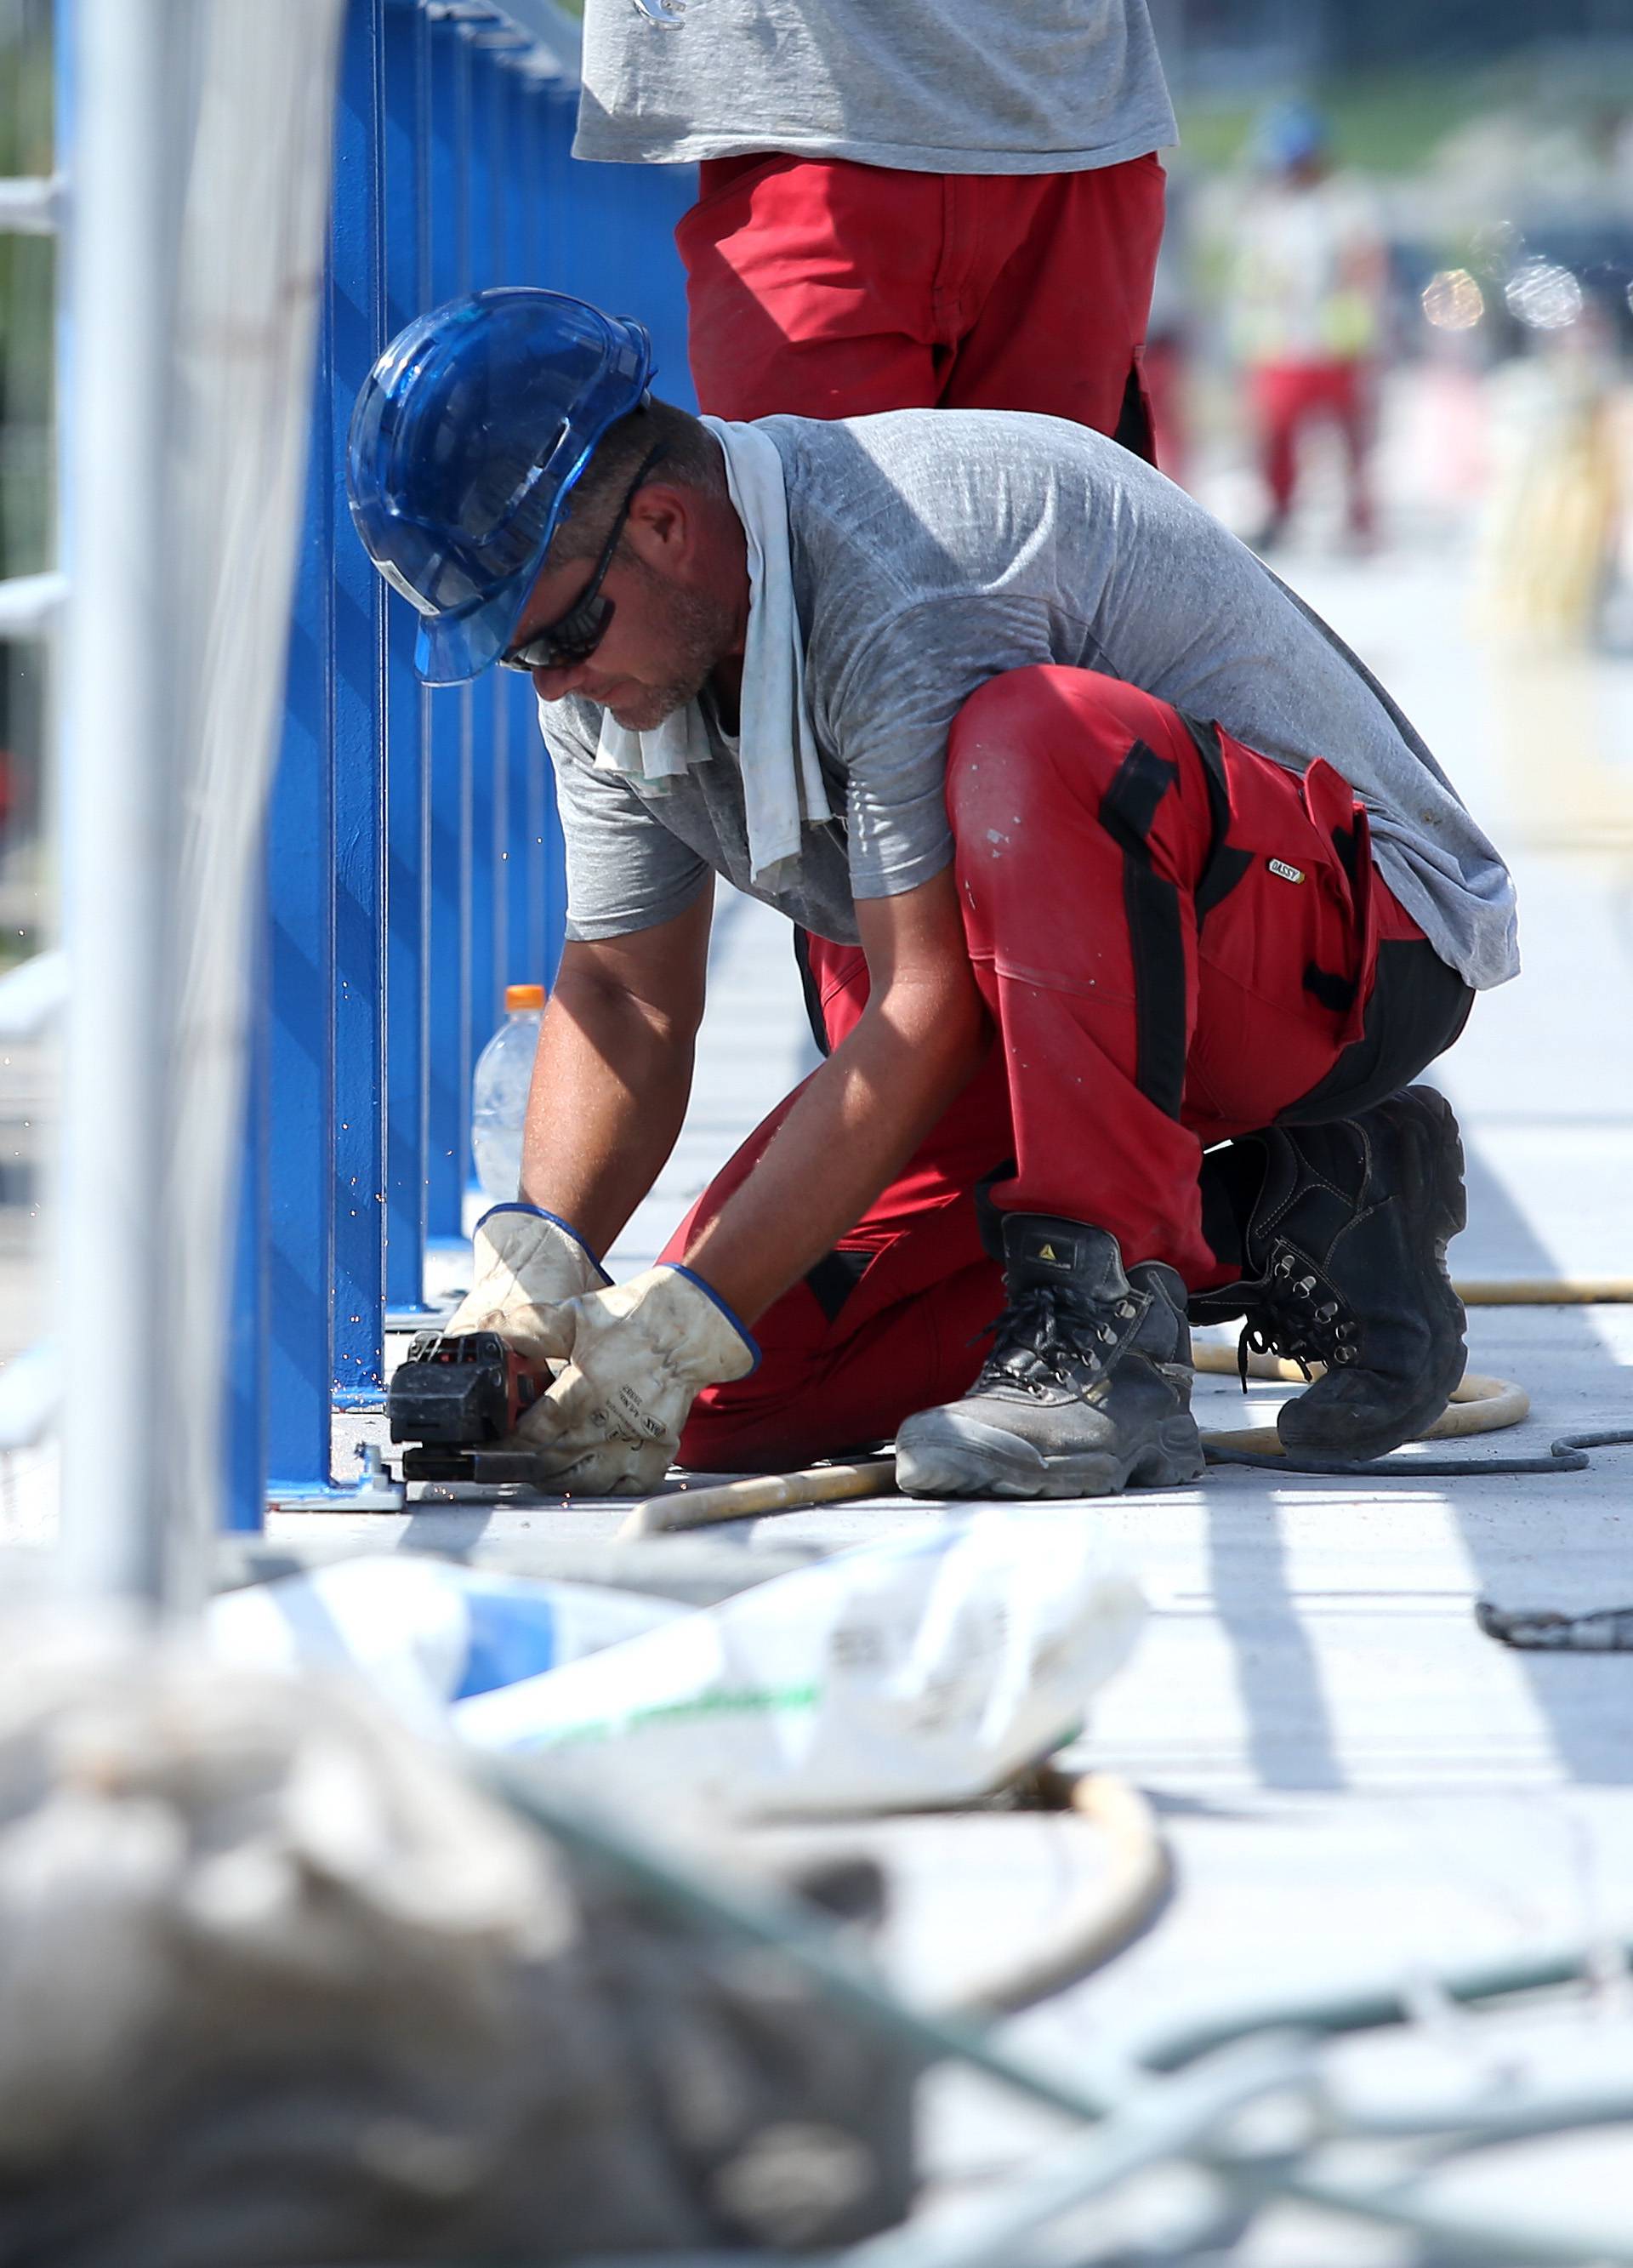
[{"x": 1288, "y": 873}]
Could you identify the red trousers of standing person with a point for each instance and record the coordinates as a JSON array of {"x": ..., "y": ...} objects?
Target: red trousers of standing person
[
  {"x": 820, "y": 288},
  {"x": 1177, "y": 941},
  {"x": 1287, "y": 397}
]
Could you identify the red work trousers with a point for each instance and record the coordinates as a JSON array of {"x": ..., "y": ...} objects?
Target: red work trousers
[
  {"x": 824, "y": 289},
  {"x": 1289, "y": 396},
  {"x": 1175, "y": 939}
]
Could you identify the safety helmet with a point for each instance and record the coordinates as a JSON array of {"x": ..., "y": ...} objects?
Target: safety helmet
[
  {"x": 467, "y": 437},
  {"x": 1289, "y": 133}
]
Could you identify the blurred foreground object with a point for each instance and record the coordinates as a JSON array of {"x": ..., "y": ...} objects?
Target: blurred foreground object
[
  {"x": 277, "y": 1985},
  {"x": 201, "y": 166},
  {"x": 925, "y": 1670}
]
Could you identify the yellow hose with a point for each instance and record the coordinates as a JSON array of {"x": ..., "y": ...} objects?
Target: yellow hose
[
  {"x": 1099, "y": 1925},
  {"x": 1549, "y": 1291},
  {"x": 679, "y": 1509},
  {"x": 1480, "y": 1405}
]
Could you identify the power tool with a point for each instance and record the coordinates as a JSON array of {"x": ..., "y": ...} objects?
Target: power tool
[{"x": 458, "y": 1395}]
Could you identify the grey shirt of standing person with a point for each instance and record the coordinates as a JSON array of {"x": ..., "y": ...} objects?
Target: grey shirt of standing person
[
  {"x": 929, "y": 87},
  {"x": 933, "y": 550}
]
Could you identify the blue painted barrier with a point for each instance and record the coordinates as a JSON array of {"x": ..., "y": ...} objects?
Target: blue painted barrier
[{"x": 413, "y": 858}]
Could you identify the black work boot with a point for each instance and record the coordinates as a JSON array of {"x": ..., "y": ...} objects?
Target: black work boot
[
  {"x": 1344, "y": 1231},
  {"x": 1088, "y": 1385}
]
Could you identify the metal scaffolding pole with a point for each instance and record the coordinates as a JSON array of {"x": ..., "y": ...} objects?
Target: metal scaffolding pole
[{"x": 119, "y": 815}]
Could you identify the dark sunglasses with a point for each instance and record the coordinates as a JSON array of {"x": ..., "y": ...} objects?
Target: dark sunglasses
[{"x": 575, "y": 637}]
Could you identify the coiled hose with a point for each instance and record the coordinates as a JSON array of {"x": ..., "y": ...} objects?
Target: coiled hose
[{"x": 1480, "y": 1405}]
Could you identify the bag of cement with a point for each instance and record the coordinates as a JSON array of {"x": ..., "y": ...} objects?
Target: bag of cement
[
  {"x": 424, "y": 1631},
  {"x": 277, "y": 1986},
  {"x": 925, "y": 1670}
]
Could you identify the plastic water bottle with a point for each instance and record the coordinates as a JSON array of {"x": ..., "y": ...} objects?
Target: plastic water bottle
[{"x": 499, "y": 1094}]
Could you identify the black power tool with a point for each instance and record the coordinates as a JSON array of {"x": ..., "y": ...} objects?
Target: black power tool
[{"x": 458, "y": 1394}]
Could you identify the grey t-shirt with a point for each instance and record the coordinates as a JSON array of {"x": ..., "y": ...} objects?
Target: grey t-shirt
[
  {"x": 932, "y": 549},
  {"x": 930, "y": 86}
]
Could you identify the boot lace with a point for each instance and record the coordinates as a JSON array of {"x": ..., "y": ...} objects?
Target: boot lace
[
  {"x": 1049, "y": 1337},
  {"x": 1297, "y": 1316}
]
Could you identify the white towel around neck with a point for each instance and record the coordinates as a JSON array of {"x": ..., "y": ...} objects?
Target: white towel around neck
[{"x": 782, "y": 786}]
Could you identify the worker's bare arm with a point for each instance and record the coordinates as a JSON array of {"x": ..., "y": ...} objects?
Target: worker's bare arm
[
  {"x": 613, "y": 1072},
  {"x": 860, "y": 1117}
]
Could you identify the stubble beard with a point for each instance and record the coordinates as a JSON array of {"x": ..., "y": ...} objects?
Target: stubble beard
[{"x": 700, "y": 629}]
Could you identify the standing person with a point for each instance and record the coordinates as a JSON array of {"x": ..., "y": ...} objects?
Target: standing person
[
  {"x": 1307, "y": 305},
  {"x": 1140, "y": 858},
  {"x": 903, "y": 204}
]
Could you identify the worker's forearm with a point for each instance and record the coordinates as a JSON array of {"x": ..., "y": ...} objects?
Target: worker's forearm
[
  {"x": 859, "y": 1121},
  {"x": 609, "y": 1091}
]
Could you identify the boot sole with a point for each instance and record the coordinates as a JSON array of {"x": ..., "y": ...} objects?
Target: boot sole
[
  {"x": 1442, "y": 1199},
  {"x": 964, "y": 1458}
]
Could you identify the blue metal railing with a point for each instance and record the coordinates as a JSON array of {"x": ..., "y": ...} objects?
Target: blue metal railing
[{"x": 414, "y": 859}]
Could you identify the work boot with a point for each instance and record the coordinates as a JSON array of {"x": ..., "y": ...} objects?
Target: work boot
[
  {"x": 1087, "y": 1388},
  {"x": 1345, "y": 1240}
]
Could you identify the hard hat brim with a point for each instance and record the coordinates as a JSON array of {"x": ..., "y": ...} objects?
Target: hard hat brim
[{"x": 451, "y": 649}]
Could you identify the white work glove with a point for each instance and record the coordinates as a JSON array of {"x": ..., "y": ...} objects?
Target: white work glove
[
  {"x": 528, "y": 1265},
  {"x": 640, "y": 1353}
]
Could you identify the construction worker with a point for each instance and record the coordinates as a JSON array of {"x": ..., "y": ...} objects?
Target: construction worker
[
  {"x": 902, "y": 204},
  {"x": 1309, "y": 275},
  {"x": 1141, "y": 860}
]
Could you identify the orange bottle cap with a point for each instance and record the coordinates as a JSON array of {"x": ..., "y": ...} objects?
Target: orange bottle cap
[{"x": 518, "y": 997}]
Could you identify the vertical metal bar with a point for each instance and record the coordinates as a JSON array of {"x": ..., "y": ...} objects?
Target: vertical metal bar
[
  {"x": 496, "y": 163},
  {"x": 357, "y": 301},
  {"x": 561, "y": 108},
  {"x": 300, "y": 976},
  {"x": 643, "y": 269},
  {"x": 485, "y": 973},
  {"x": 524, "y": 957},
  {"x": 544, "y": 121},
  {"x": 244, "y": 1430},
  {"x": 573, "y": 245},
  {"x": 408, "y": 724},
  {"x": 449, "y": 1069},
  {"x": 117, "y": 806}
]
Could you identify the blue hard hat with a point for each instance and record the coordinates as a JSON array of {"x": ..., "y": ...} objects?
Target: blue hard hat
[
  {"x": 1289, "y": 133},
  {"x": 467, "y": 437}
]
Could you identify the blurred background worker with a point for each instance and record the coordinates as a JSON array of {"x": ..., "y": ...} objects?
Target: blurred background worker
[
  {"x": 1308, "y": 285},
  {"x": 903, "y": 204}
]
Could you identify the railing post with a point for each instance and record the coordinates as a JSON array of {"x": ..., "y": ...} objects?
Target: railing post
[
  {"x": 532, "y": 848},
  {"x": 300, "y": 958},
  {"x": 408, "y": 721},
  {"x": 485, "y": 974},
  {"x": 358, "y": 756},
  {"x": 244, "y": 1430},
  {"x": 326, "y": 872},
  {"x": 449, "y": 1069}
]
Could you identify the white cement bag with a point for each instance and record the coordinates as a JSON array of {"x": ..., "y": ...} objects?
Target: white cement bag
[
  {"x": 424, "y": 1631},
  {"x": 924, "y": 1669}
]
